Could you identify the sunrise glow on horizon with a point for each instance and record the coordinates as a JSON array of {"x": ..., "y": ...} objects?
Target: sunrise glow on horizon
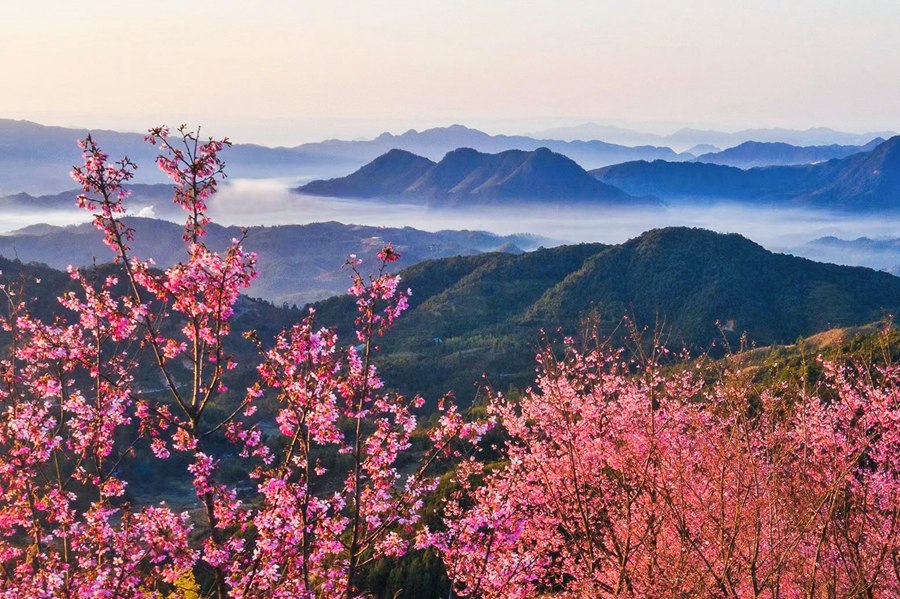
[{"x": 283, "y": 72}]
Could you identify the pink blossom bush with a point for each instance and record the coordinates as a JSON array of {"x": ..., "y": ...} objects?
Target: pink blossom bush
[{"x": 660, "y": 484}]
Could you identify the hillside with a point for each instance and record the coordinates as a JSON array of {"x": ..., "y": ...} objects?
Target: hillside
[
  {"x": 870, "y": 179},
  {"x": 697, "y": 180},
  {"x": 297, "y": 263},
  {"x": 388, "y": 175},
  {"x": 483, "y": 314},
  {"x": 468, "y": 176},
  {"x": 864, "y": 181}
]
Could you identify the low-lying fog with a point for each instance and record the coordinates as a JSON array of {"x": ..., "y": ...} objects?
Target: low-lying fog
[
  {"x": 254, "y": 202},
  {"x": 270, "y": 202}
]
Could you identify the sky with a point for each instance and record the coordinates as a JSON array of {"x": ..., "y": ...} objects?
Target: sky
[{"x": 289, "y": 71}]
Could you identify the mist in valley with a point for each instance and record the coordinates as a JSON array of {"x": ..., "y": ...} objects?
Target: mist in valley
[{"x": 270, "y": 202}]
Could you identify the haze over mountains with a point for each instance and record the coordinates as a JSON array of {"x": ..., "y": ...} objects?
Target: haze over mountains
[
  {"x": 688, "y": 278},
  {"x": 866, "y": 181},
  {"x": 881, "y": 254},
  {"x": 688, "y": 137},
  {"x": 754, "y": 153},
  {"x": 564, "y": 202},
  {"x": 863, "y": 181},
  {"x": 143, "y": 195},
  {"x": 466, "y": 176},
  {"x": 36, "y": 158},
  {"x": 435, "y": 143},
  {"x": 297, "y": 263}
]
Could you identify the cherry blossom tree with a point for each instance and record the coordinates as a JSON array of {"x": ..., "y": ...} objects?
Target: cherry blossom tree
[{"x": 73, "y": 412}]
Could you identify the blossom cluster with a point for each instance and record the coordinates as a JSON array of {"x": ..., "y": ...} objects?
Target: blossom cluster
[{"x": 658, "y": 483}]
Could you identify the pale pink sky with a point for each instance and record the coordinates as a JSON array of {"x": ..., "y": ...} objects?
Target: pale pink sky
[{"x": 282, "y": 71}]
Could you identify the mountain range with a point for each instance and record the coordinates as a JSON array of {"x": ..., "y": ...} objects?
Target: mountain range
[
  {"x": 755, "y": 153},
  {"x": 688, "y": 137},
  {"x": 864, "y": 181},
  {"x": 484, "y": 313},
  {"x": 466, "y": 176},
  {"x": 37, "y": 158},
  {"x": 297, "y": 263},
  {"x": 436, "y": 142},
  {"x": 143, "y": 197}
]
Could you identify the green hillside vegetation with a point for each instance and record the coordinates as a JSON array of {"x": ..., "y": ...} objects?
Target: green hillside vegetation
[
  {"x": 484, "y": 314},
  {"x": 487, "y": 310}
]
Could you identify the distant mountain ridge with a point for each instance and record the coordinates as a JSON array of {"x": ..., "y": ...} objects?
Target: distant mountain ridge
[
  {"x": 865, "y": 181},
  {"x": 436, "y": 142},
  {"x": 754, "y": 153},
  {"x": 391, "y": 174},
  {"x": 687, "y": 137},
  {"x": 37, "y": 158},
  {"x": 465, "y": 175},
  {"x": 483, "y": 313},
  {"x": 881, "y": 254},
  {"x": 143, "y": 195}
]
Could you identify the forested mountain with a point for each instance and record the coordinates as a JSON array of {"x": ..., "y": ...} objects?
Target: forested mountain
[{"x": 483, "y": 313}]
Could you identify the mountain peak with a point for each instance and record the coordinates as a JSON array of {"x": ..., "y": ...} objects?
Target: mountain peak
[
  {"x": 465, "y": 174},
  {"x": 463, "y": 152},
  {"x": 669, "y": 239},
  {"x": 393, "y": 170}
]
